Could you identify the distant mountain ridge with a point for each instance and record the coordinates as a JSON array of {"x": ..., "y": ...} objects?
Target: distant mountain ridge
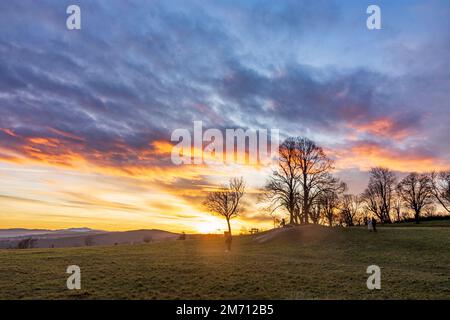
[
  {"x": 23, "y": 232},
  {"x": 77, "y": 237}
]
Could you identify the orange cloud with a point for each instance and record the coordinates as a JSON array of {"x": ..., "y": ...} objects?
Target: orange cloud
[
  {"x": 9, "y": 132},
  {"x": 65, "y": 134},
  {"x": 366, "y": 155},
  {"x": 382, "y": 127},
  {"x": 49, "y": 142},
  {"x": 162, "y": 147}
]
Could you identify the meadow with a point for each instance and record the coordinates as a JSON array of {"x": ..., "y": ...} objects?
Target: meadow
[{"x": 308, "y": 263}]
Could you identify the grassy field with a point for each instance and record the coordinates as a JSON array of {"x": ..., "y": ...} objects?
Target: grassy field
[{"x": 318, "y": 263}]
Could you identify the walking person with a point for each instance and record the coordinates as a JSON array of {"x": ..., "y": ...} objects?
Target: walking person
[
  {"x": 228, "y": 241},
  {"x": 374, "y": 225}
]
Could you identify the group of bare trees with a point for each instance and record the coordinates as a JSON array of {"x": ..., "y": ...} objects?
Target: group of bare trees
[
  {"x": 441, "y": 188},
  {"x": 417, "y": 193},
  {"x": 303, "y": 184},
  {"x": 350, "y": 210},
  {"x": 303, "y": 187}
]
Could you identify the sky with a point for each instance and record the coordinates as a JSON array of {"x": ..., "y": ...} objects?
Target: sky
[{"x": 86, "y": 115}]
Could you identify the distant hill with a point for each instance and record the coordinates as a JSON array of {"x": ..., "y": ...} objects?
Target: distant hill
[
  {"x": 25, "y": 233},
  {"x": 9, "y": 233},
  {"x": 78, "y": 237}
]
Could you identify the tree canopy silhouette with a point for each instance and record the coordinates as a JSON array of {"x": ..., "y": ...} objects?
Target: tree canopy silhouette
[
  {"x": 226, "y": 200},
  {"x": 302, "y": 176},
  {"x": 379, "y": 193},
  {"x": 416, "y": 192},
  {"x": 441, "y": 188}
]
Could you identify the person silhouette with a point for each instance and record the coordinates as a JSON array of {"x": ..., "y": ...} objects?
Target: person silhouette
[
  {"x": 369, "y": 225},
  {"x": 228, "y": 240}
]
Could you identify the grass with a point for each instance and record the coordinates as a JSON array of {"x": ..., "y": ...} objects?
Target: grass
[
  {"x": 415, "y": 264},
  {"x": 424, "y": 224}
]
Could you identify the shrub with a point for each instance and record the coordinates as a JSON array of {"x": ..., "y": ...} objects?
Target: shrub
[{"x": 26, "y": 243}]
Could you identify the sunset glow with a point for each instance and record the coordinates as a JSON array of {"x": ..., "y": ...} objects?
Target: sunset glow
[{"x": 86, "y": 116}]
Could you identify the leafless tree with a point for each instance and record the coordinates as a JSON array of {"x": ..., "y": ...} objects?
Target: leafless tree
[
  {"x": 416, "y": 192},
  {"x": 226, "y": 200},
  {"x": 316, "y": 211},
  {"x": 89, "y": 241},
  {"x": 397, "y": 206},
  {"x": 281, "y": 191},
  {"x": 441, "y": 188},
  {"x": 430, "y": 210},
  {"x": 379, "y": 193},
  {"x": 315, "y": 178},
  {"x": 327, "y": 205},
  {"x": 350, "y": 209},
  {"x": 302, "y": 176},
  {"x": 28, "y": 243},
  {"x": 328, "y": 202}
]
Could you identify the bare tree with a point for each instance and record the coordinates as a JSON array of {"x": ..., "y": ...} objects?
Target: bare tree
[
  {"x": 441, "y": 188},
  {"x": 302, "y": 176},
  {"x": 350, "y": 208},
  {"x": 316, "y": 211},
  {"x": 315, "y": 178},
  {"x": 328, "y": 201},
  {"x": 430, "y": 210},
  {"x": 27, "y": 243},
  {"x": 379, "y": 193},
  {"x": 225, "y": 201},
  {"x": 281, "y": 191},
  {"x": 89, "y": 241},
  {"x": 416, "y": 192},
  {"x": 397, "y": 206}
]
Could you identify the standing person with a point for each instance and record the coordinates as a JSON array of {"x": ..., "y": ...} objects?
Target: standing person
[
  {"x": 228, "y": 240},
  {"x": 374, "y": 224},
  {"x": 369, "y": 225}
]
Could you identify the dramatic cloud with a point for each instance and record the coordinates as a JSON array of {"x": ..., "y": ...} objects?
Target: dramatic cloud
[{"x": 105, "y": 99}]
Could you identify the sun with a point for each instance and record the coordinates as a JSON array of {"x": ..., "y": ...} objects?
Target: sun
[{"x": 211, "y": 226}]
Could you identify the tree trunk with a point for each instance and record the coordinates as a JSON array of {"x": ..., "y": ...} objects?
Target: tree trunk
[
  {"x": 416, "y": 216},
  {"x": 291, "y": 215},
  {"x": 229, "y": 226},
  {"x": 386, "y": 217},
  {"x": 305, "y": 208}
]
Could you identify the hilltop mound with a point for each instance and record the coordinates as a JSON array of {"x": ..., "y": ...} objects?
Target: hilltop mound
[{"x": 300, "y": 234}]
